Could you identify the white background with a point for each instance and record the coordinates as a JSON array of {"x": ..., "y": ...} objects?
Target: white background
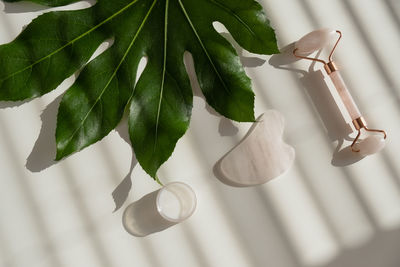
[{"x": 329, "y": 210}]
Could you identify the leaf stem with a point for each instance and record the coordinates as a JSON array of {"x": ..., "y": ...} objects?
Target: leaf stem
[{"x": 158, "y": 181}]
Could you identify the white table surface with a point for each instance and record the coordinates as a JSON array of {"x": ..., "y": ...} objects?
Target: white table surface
[{"x": 328, "y": 210}]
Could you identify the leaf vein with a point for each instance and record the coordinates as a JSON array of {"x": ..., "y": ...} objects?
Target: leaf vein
[
  {"x": 203, "y": 46},
  {"x": 114, "y": 73},
  {"x": 163, "y": 72},
  {"x": 217, "y": 3},
  {"x": 72, "y": 41}
]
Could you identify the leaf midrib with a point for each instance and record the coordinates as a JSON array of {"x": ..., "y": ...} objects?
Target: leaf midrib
[
  {"x": 72, "y": 41},
  {"x": 114, "y": 73},
  {"x": 163, "y": 72}
]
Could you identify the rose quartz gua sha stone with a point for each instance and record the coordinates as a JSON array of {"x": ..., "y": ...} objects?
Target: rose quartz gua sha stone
[
  {"x": 261, "y": 156},
  {"x": 317, "y": 40}
]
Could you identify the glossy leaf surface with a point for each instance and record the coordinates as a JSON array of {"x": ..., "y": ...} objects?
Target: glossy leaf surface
[{"x": 57, "y": 44}]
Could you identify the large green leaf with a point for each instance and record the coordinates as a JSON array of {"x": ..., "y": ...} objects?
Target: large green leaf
[{"x": 57, "y": 44}]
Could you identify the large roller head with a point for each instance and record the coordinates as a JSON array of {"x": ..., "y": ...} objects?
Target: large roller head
[{"x": 314, "y": 41}]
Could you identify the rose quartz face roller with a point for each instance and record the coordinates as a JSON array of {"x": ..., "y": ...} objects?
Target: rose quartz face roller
[{"x": 317, "y": 40}]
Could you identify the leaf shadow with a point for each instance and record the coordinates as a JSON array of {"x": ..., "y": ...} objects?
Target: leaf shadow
[
  {"x": 11, "y": 104},
  {"x": 22, "y": 7},
  {"x": 247, "y": 61},
  {"x": 25, "y": 7},
  {"x": 121, "y": 192},
  {"x": 43, "y": 155}
]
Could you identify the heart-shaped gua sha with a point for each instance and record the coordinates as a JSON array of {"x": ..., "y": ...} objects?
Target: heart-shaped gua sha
[{"x": 261, "y": 156}]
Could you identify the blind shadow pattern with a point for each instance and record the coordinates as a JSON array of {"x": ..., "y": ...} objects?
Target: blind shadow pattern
[{"x": 315, "y": 215}]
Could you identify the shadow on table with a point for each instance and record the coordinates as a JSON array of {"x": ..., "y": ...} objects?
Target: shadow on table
[
  {"x": 25, "y": 7},
  {"x": 121, "y": 192},
  {"x": 44, "y": 151},
  {"x": 142, "y": 218},
  {"x": 22, "y": 7},
  {"x": 381, "y": 250}
]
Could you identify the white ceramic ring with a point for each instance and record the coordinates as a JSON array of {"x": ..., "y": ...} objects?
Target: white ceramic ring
[{"x": 176, "y": 202}]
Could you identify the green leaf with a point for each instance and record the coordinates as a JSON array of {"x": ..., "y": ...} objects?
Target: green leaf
[{"x": 57, "y": 44}]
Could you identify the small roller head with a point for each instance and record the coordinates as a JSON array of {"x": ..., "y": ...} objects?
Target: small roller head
[
  {"x": 371, "y": 145},
  {"x": 314, "y": 41}
]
